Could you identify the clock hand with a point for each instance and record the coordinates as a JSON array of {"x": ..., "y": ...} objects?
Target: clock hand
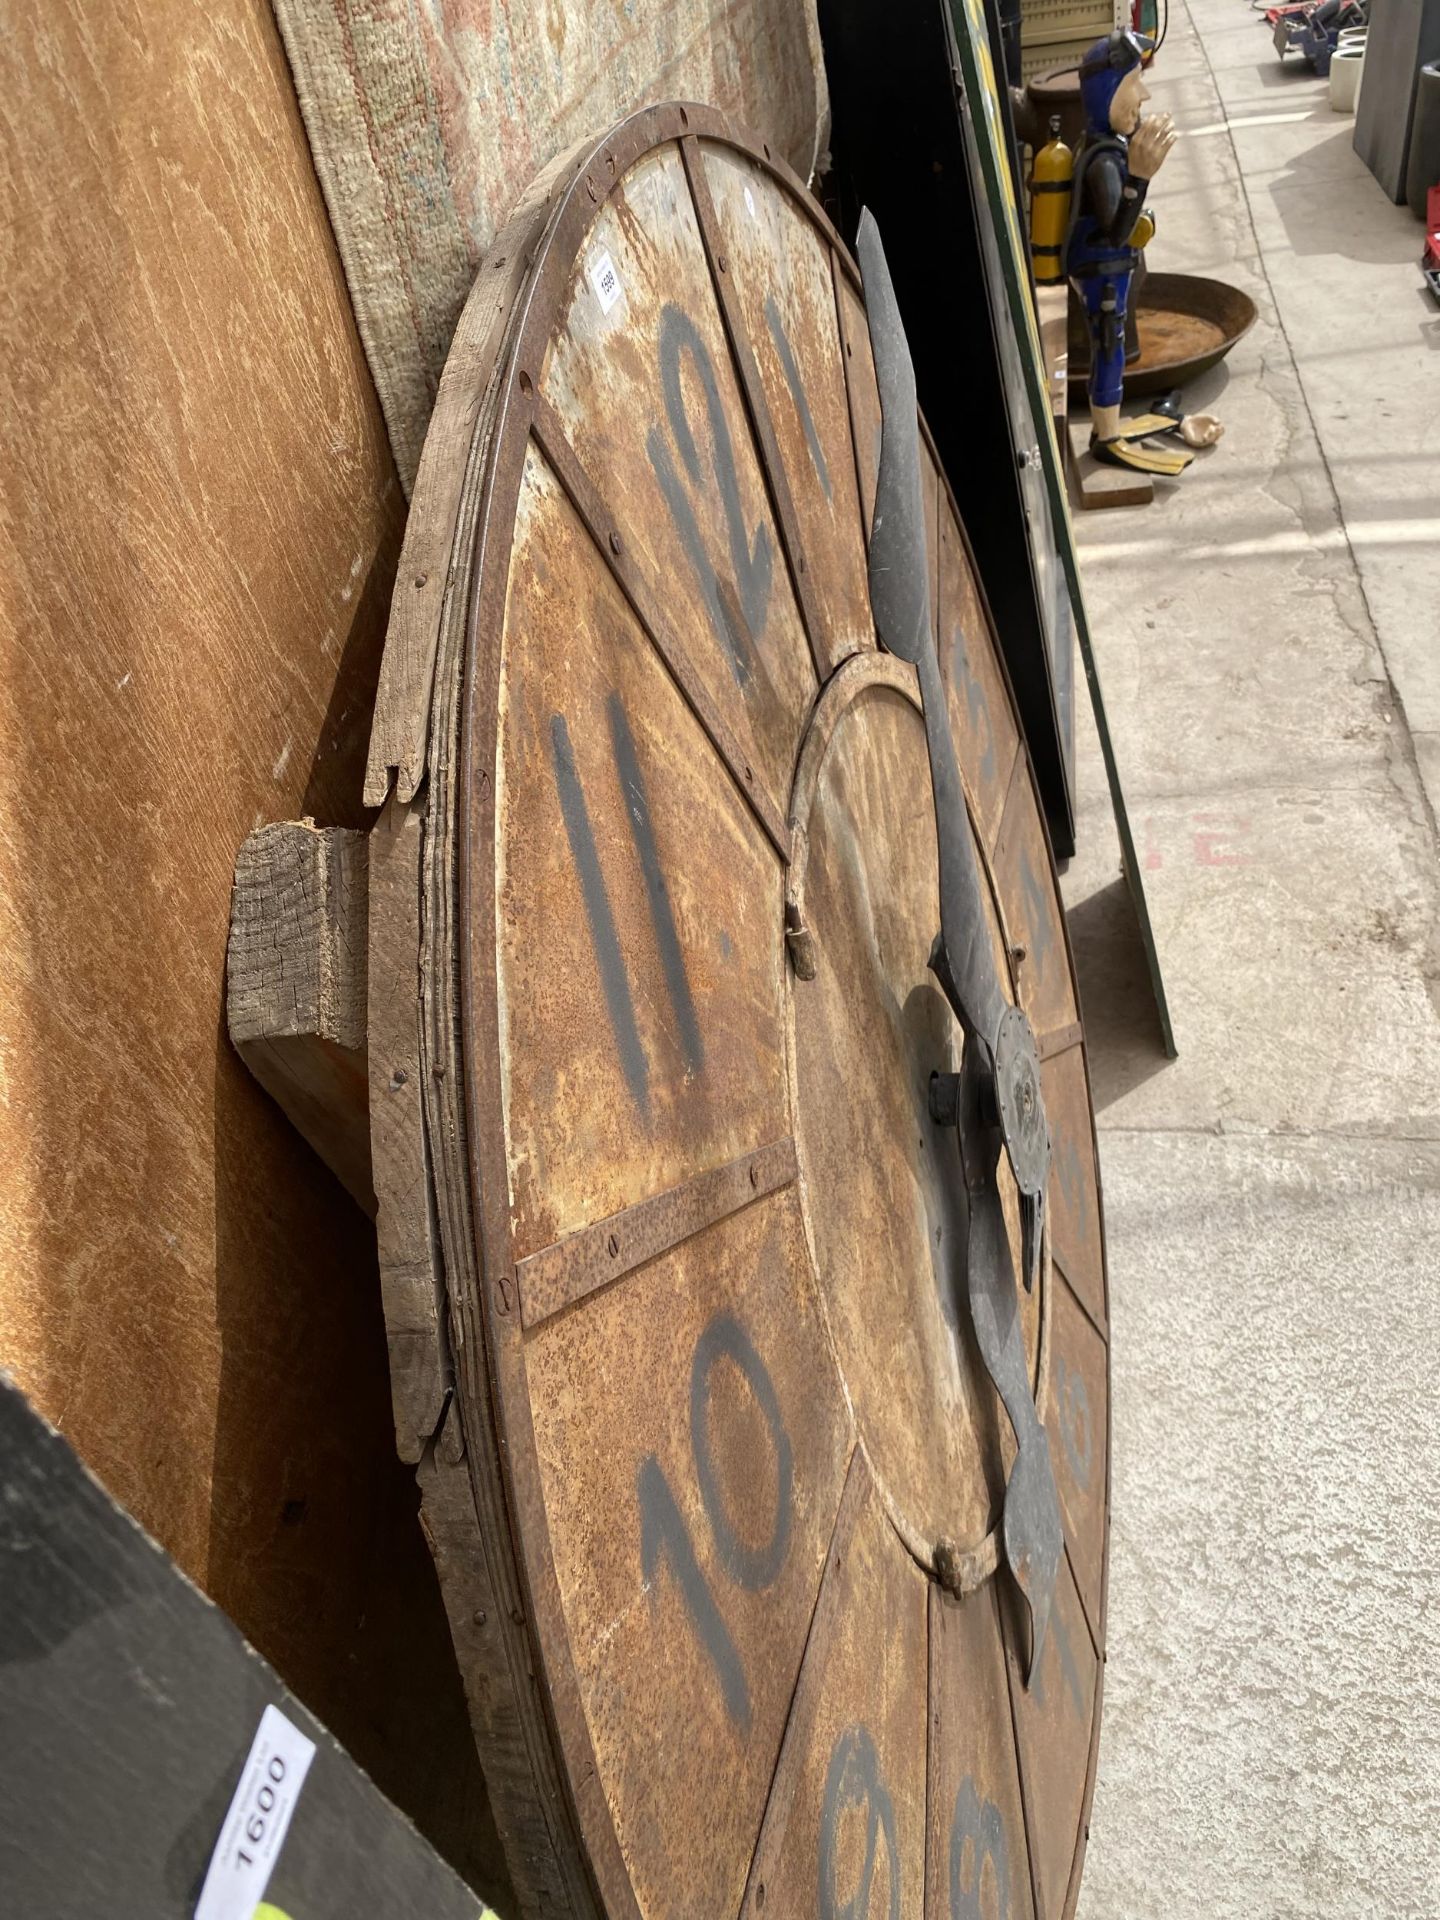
[
  {"x": 998, "y": 1097},
  {"x": 963, "y": 960},
  {"x": 900, "y": 603},
  {"x": 1031, "y": 1528}
]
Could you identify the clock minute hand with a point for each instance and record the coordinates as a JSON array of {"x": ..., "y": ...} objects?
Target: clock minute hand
[
  {"x": 900, "y": 604},
  {"x": 999, "y": 1094}
]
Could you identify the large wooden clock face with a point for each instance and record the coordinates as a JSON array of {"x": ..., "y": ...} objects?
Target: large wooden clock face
[{"x": 719, "y": 1317}]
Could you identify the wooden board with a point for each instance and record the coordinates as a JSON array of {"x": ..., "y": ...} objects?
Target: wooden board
[
  {"x": 719, "y": 1395},
  {"x": 1099, "y": 486},
  {"x": 200, "y": 530}
]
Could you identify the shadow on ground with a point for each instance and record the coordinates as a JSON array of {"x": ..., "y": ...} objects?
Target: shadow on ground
[{"x": 1122, "y": 1025}]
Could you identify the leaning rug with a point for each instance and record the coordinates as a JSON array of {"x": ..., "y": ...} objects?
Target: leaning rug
[{"x": 428, "y": 119}]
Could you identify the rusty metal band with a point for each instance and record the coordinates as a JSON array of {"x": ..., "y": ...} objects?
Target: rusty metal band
[
  {"x": 1060, "y": 1040},
  {"x": 557, "y": 1276}
]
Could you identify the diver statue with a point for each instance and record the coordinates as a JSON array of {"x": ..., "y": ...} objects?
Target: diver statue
[{"x": 1109, "y": 223}]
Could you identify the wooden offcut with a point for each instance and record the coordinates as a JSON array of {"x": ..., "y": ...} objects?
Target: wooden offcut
[
  {"x": 1098, "y": 485},
  {"x": 295, "y": 985}
]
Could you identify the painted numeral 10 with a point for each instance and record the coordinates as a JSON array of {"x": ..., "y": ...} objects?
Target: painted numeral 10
[{"x": 663, "y": 1530}]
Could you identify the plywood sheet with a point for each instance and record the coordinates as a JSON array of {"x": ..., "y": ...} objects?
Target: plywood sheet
[{"x": 197, "y": 544}]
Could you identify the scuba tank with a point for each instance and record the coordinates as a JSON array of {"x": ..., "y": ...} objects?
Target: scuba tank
[{"x": 1051, "y": 180}]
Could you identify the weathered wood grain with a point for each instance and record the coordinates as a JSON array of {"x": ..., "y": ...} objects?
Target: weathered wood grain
[
  {"x": 198, "y": 538},
  {"x": 295, "y": 985}
]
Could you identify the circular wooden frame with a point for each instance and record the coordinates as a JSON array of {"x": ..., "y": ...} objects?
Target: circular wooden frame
[{"x": 600, "y": 1793}]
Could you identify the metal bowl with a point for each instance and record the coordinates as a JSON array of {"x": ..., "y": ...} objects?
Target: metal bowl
[{"x": 1187, "y": 324}]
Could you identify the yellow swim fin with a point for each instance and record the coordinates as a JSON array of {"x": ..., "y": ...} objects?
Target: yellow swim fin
[
  {"x": 1144, "y": 424},
  {"x": 1122, "y": 452}
]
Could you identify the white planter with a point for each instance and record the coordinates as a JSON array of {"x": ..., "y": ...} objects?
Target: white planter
[{"x": 1345, "y": 70}]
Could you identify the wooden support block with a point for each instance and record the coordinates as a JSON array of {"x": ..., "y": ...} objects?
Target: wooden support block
[
  {"x": 296, "y": 984},
  {"x": 1100, "y": 486}
]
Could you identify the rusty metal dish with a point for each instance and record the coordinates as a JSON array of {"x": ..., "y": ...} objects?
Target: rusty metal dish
[
  {"x": 715, "y": 1469},
  {"x": 1187, "y": 324}
]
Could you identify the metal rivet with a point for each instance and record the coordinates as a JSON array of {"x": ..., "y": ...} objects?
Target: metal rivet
[
  {"x": 1017, "y": 954},
  {"x": 421, "y": 578},
  {"x": 614, "y": 543},
  {"x": 399, "y": 1077}
]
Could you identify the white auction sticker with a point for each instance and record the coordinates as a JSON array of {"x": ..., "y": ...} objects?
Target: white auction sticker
[
  {"x": 606, "y": 281},
  {"x": 259, "y": 1817}
]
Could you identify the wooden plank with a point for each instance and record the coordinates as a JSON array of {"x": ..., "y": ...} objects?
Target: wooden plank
[
  {"x": 767, "y": 448},
  {"x": 982, "y": 720},
  {"x": 1078, "y": 1419},
  {"x": 1097, "y": 485},
  {"x": 1075, "y": 1227},
  {"x": 642, "y": 990},
  {"x": 977, "y": 1855},
  {"x": 865, "y": 419},
  {"x": 689, "y": 1531},
  {"x": 647, "y": 604},
  {"x": 1054, "y": 1728},
  {"x": 200, "y": 529},
  {"x": 789, "y": 324},
  {"x": 129, "y": 1704},
  {"x": 1034, "y": 917},
  {"x": 295, "y": 985},
  {"x": 646, "y": 389},
  {"x": 846, "y": 1813}
]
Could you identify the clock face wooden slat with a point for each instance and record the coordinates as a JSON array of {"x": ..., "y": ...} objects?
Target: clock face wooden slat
[
  {"x": 1074, "y": 1191},
  {"x": 653, "y": 615},
  {"x": 1030, "y": 901},
  {"x": 977, "y": 1852},
  {"x": 844, "y": 1829},
  {"x": 1078, "y": 1423},
  {"x": 1054, "y": 1723},
  {"x": 690, "y": 1494},
  {"x": 986, "y": 737},
  {"x": 931, "y": 492},
  {"x": 641, "y": 1014},
  {"x": 640, "y": 374},
  {"x": 790, "y": 323},
  {"x": 865, "y": 417}
]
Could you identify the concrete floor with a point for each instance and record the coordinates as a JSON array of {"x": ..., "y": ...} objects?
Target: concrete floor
[{"x": 1269, "y": 638}]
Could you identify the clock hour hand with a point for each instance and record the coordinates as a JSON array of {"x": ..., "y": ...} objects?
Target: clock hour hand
[
  {"x": 1031, "y": 1527},
  {"x": 998, "y": 1096}
]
